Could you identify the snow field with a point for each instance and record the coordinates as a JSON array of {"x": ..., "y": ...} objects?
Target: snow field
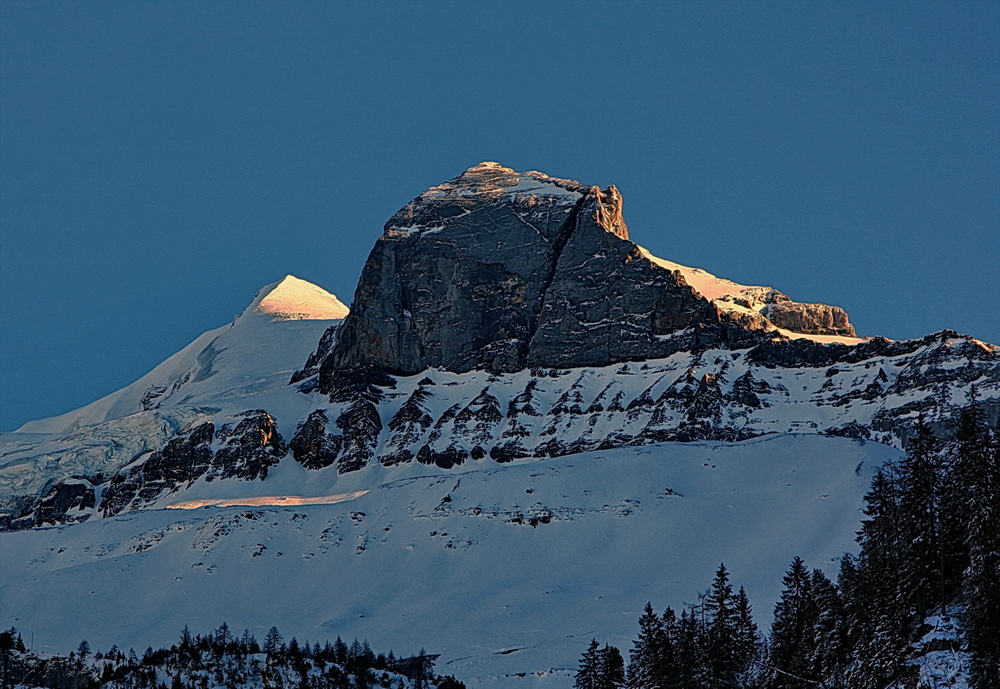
[{"x": 503, "y": 570}]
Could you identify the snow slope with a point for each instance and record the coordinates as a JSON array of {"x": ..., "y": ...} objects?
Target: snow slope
[
  {"x": 740, "y": 299},
  {"x": 242, "y": 365},
  {"x": 270, "y": 339},
  {"x": 506, "y": 570}
]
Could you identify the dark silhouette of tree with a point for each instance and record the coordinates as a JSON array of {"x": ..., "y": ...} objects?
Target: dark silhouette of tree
[
  {"x": 792, "y": 642},
  {"x": 645, "y": 658}
]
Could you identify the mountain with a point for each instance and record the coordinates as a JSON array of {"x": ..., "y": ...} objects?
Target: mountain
[
  {"x": 253, "y": 345},
  {"x": 499, "y": 270},
  {"x": 525, "y": 427},
  {"x": 243, "y": 363}
]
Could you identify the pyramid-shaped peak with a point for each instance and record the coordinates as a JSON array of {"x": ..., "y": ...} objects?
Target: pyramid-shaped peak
[{"x": 293, "y": 299}]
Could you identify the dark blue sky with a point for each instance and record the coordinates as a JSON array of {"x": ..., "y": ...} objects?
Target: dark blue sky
[{"x": 159, "y": 162}]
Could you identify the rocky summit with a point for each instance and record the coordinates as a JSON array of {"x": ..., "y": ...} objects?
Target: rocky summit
[{"x": 500, "y": 270}]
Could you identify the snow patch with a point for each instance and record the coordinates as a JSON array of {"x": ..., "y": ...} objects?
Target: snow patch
[{"x": 740, "y": 299}]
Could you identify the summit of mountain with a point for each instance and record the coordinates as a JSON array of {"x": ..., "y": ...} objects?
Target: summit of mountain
[
  {"x": 293, "y": 299},
  {"x": 502, "y": 270}
]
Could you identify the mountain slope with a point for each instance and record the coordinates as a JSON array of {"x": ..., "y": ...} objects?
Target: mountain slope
[
  {"x": 227, "y": 369},
  {"x": 503, "y": 570},
  {"x": 252, "y": 345}
]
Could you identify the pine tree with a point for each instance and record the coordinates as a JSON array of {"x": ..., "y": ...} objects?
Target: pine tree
[
  {"x": 611, "y": 670},
  {"x": 340, "y": 650},
  {"x": 249, "y": 642},
  {"x": 981, "y": 617},
  {"x": 689, "y": 652},
  {"x": 830, "y": 652},
  {"x": 185, "y": 639},
  {"x": 272, "y": 642},
  {"x": 962, "y": 489},
  {"x": 588, "y": 676},
  {"x": 920, "y": 582},
  {"x": 670, "y": 670},
  {"x": 748, "y": 639},
  {"x": 881, "y": 536},
  {"x": 877, "y": 619},
  {"x": 981, "y": 586},
  {"x": 792, "y": 642},
  {"x": 644, "y": 667},
  {"x": 723, "y": 664}
]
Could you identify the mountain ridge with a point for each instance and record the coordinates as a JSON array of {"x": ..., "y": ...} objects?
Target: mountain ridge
[
  {"x": 706, "y": 382},
  {"x": 283, "y": 450}
]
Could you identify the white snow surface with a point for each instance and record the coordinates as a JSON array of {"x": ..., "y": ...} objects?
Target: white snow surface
[
  {"x": 292, "y": 299},
  {"x": 506, "y": 570},
  {"x": 708, "y": 285},
  {"x": 736, "y": 298},
  {"x": 941, "y": 662},
  {"x": 260, "y": 349}
]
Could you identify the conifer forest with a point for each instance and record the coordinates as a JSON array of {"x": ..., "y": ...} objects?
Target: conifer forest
[{"x": 929, "y": 555}]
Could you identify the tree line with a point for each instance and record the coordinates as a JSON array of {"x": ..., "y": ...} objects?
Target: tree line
[
  {"x": 929, "y": 545},
  {"x": 221, "y": 659}
]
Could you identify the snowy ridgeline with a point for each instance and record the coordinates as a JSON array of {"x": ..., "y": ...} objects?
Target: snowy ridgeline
[
  {"x": 448, "y": 419},
  {"x": 503, "y": 570}
]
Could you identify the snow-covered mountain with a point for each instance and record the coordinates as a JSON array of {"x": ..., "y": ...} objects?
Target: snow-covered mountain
[
  {"x": 525, "y": 427},
  {"x": 250, "y": 353}
]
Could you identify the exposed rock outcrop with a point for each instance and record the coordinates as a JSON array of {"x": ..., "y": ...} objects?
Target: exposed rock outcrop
[
  {"x": 812, "y": 319},
  {"x": 312, "y": 446},
  {"x": 500, "y": 270},
  {"x": 68, "y": 502},
  {"x": 245, "y": 451}
]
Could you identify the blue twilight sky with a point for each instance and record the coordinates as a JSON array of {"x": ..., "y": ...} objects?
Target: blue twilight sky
[{"x": 161, "y": 161}]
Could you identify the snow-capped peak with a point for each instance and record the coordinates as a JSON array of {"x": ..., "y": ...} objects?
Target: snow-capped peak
[
  {"x": 260, "y": 348},
  {"x": 292, "y": 299}
]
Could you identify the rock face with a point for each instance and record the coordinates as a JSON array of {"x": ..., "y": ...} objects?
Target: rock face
[
  {"x": 66, "y": 503},
  {"x": 812, "y": 319},
  {"x": 500, "y": 270},
  {"x": 245, "y": 451}
]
